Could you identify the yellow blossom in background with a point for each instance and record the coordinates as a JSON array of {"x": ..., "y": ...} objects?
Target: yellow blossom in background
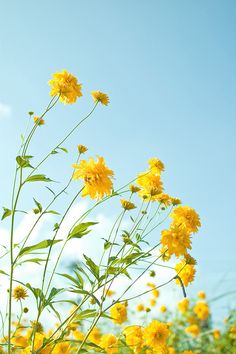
[
  {"x": 183, "y": 305},
  {"x": 232, "y": 332},
  {"x": 66, "y": 86},
  {"x": 176, "y": 239},
  {"x": 78, "y": 335},
  {"x": 140, "y": 307},
  {"x": 134, "y": 338},
  {"x": 156, "y": 165},
  {"x": 187, "y": 216},
  {"x": 153, "y": 302},
  {"x": 186, "y": 272},
  {"x": 201, "y": 309},
  {"x": 156, "y": 334},
  {"x": 171, "y": 350},
  {"x": 95, "y": 335},
  {"x": 163, "y": 309},
  {"x": 19, "y": 293},
  {"x": 96, "y": 176},
  {"x": 119, "y": 313},
  {"x": 109, "y": 343},
  {"x": 39, "y": 121},
  {"x": 62, "y": 348},
  {"x": 82, "y": 149},
  {"x": 99, "y": 96},
  {"x": 194, "y": 330},
  {"x": 127, "y": 205},
  {"x": 201, "y": 295},
  {"x": 133, "y": 188},
  {"x": 216, "y": 333},
  {"x": 155, "y": 293},
  {"x": 175, "y": 201},
  {"x": 109, "y": 292},
  {"x": 188, "y": 352},
  {"x": 151, "y": 185},
  {"x": 165, "y": 255}
]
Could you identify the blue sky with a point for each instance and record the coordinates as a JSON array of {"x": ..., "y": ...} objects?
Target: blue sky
[{"x": 169, "y": 68}]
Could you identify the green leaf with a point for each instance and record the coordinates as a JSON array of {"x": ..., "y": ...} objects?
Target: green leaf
[
  {"x": 23, "y": 162},
  {"x": 37, "y": 246},
  {"x": 81, "y": 230},
  {"x": 52, "y": 212},
  {"x": 2, "y": 272},
  {"x": 94, "y": 269},
  {"x": 6, "y": 213},
  {"x": 39, "y": 206},
  {"x": 86, "y": 314},
  {"x": 36, "y": 178},
  {"x": 34, "y": 260},
  {"x": 63, "y": 149},
  {"x": 56, "y": 227}
]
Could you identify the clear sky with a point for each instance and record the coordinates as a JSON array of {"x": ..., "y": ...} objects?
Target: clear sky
[{"x": 169, "y": 68}]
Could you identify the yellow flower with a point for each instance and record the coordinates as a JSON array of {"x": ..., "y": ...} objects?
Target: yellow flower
[
  {"x": 39, "y": 121},
  {"x": 119, "y": 313},
  {"x": 163, "y": 309},
  {"x": 96, "y": 176},
  {"x": 164, "y": 199},
  {"x": 183, "y": 305},
  {"x": 175, "y": 201},
  {"x": 194, "y": 330},
  {"x": 151, "y": 185},
  {"x": 134, "y": 338},
  {"x": 19, "y": 293},
  {"x": 232, "y": 332},
  {"x": 201, "y": 295},
  {"x": 66, "y": 86},
  {"x": 201, "y": 309},
  {"x": 82, "y": 149},
  {"x": 109, "y": 292},
  {"x": 188, "y": 352},
  {"x": 189, "y": 259},
  {"x": 95, "y": 335},
  {"x": 156, "y": 334},
  {"x": 216, "y": 333},
  {"x": 99, "y": 96},
  {"x": 165, "y": 255},
  {"x": 153, "y": 302},
  {"x": 109, "y": 343},
  {"x": 171, "y": 350},
  {"x": 155, "y": 293},
  {"x": 127, "y": 205},
  {"x": 177, "y": 240},
  {"x": 78, "y": 335},
  {"x": 62, "y": 348},
  {"x": 186, "y": 274},
  {"x": 133, "y": 188},
  {"x": 187, "y": 216},
  {"x": 156, "y": 165},
  {"x": 140, "y": 307}
]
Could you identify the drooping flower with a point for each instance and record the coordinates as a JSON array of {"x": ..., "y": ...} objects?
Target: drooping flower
[
  {"x": 82, "y": 149},
  {"x": 96, "y": 176},
  {"x": 109, "y": 343},
  {"x": 186, "y": 272},
  {"x": 133, "y": 188},
  {"x": 19, "y": 293},
  {"x": 66, "y": 86},
  {"x": 99, "y": 96},
  {"x": 39, "y": 121},
  {"x": 186, "y": 216},
  {"x": 119, "y": 313},
  {"x": 176, "y": 239},
  {"x": 127, "y": 205},
  {"x": 156, "y": 334}
]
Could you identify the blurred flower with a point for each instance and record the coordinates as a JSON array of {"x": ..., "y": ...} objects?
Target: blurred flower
[
  {"x": 201, "y": 309},
  {"x": 39, "y": 121},
  {"x": 119, "y": 313},
  {"x": 99, "y": 96},
  {"x": 127, "y": 205},
  {"x": 194, "y": 330},
  {"x": 109, "y": 343},
  {"x": 156, "y": 334}
]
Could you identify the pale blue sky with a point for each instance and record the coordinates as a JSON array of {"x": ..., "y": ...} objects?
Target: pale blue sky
[{"x": 169, "y": 68}]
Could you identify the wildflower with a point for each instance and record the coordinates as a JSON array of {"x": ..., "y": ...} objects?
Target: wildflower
[
  {"x": 187, "y": 216},
  {"x": 165, "y": 255},
  {"x": 201, "y": 309},
  {"x": 183, "y": 305},
  {"x": 151, "y": 185},
  {"x": 109, "y": 343},
  {"x": 156, "y": 165},
  {"x": 82, "y": 149},
  {"x": 163, "y": 309},
  {"x": 134, "y": 338},
  {"x": 127, "y": 205},
  {"x": 164, "y": 199},
  {"x": 232, "y": 332},
  {"x": 96, "y": 176},
  {"x": 175, "y": 201},
  {"x": 186, "y": 272},
  {"x": 109, "y": 292},
  {"x": 177, "y": 240},
  {"x": 95, "y": 335},
  {"x": 133, "y": 188},
  {"x": 37, "y": 326},
  {"x": 66, "y": 86},
  {"x": 155, "y": 293},
  {"x": 189, "y": 259},
  {"x": 99, "y": 96},
  {"x": 19, "y": 293},
  {"x": 119, "y": 313},
  {"x": 153, "y": 302},
  {"x": 156, "y": 334},
  {"x": 188, "y": 352},
  {"x": 216, "y": 333},
  {"x": 201, "y": 295},
  {"x": 39, "y": 121},
  {"x": 171, "y": 350},
  {"x": 60, "y": 348},
  {"x": 194, "y": 330},
  {"x": 140, "y": 307},
  {"x": 151, "y": 285}
]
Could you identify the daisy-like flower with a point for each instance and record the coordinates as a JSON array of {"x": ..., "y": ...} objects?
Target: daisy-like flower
[
  {"x": 82, "y": 149},
  {"x": 177, "y": 240},
  {"x": 151, "y": 185},
  {"x": 109, "y": 343},
  {"x": 66, "y": 86},
  {"x": 96, "y": 176},
  {"x": 156, "y": 334},
  {"x": 186, "y": 272},
  {"x": 99, "y": 96},
  {"x": 119, "y": 313},
  {"x": 19, "y": 293},
  {"x": 127, "y": 205},
  {"x": 187, "y": 216}
]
